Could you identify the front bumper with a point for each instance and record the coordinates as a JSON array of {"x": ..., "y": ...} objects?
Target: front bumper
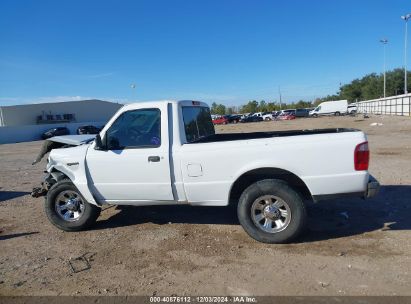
[
  {"x": 45, "y": 186},
  {"x": 373, "y": 187}
]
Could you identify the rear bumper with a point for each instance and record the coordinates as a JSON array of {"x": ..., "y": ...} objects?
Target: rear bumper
[{"x": 373, "y": 187}]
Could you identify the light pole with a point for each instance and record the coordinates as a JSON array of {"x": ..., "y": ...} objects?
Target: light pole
[
  {"x": 405, "y": 18},
  {"x": 384, "y": 42}
]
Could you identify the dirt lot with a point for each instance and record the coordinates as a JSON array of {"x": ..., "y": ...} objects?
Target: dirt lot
[{"x": 352, "y": 247}]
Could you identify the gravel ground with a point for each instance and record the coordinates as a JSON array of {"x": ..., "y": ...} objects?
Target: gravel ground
[{"x": 351, "y": 247}]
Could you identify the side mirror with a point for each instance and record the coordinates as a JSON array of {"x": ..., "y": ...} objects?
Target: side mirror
[{"x": 99, "y": 144}]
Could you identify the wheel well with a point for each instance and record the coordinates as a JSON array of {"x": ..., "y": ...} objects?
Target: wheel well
[
  {"x": 54, "y": 177},
  {"x": 253, "y": 176}
]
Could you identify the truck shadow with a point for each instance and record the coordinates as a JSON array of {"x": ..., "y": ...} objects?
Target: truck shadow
[
  {"x": 8, "y": 195},
  {"x": 390, "y": 210},
  {"x": 16, "y": 235}
]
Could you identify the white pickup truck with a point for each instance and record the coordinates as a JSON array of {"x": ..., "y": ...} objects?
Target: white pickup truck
[{"x": 167, "y": 152}]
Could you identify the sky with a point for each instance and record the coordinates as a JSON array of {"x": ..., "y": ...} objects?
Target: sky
[{"x": 224, "y": 51}]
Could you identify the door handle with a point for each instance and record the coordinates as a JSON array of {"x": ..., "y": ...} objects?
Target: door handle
[{"x": 154, "y": 159}]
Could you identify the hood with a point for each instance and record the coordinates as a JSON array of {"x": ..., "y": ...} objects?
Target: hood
[
  {"x": 73, "y": 140},
  {"x": 65, "y": 141}
]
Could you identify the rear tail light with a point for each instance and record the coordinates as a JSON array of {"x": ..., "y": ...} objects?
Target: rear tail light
[{"x": 361, "y": 156}]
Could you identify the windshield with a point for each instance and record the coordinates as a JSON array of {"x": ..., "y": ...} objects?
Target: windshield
[{"x": 197, "y": 123}]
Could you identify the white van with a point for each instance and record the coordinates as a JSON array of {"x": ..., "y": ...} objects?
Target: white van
[{"x": 338, "y": 107}]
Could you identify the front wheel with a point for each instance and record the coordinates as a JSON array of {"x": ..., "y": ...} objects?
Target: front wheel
[
  {"x": 67, "y": 209},
  {"x": 270, "y": 211}
]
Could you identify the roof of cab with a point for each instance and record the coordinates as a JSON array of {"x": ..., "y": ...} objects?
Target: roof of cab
[{"x": 155, "y": 103}]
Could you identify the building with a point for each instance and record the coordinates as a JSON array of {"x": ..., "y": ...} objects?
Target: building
[
  {"x": 27, "y": 122},
  {"x": 57, "y": 112}
]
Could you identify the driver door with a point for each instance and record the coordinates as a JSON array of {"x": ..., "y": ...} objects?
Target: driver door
[{"x": 134, "y": 168}]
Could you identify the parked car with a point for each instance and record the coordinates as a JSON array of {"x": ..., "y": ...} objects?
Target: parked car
[
  {"x": 288, "y": 111},
  {"x": 352, "y": 109},
  {"x": 220, "y": 120},
  {"x": 302, "y": 113},
  {"x": 251, "y": 118},
  {"x": 337, "y": 108},
  {"x": 267, "y": 116},
  {"x": 286, "y": 116},
  {"x": 233, "y": 118},
  {"x": 180, "y": 159},
  {"x": 275, "y": 114},
  {"x": 55, "y": 132},
  {"x": 88, "y": 130}
]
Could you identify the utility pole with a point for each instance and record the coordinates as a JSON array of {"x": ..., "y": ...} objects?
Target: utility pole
[
  {"x": 384, "y": 42},
  {"x": 405, "y": 18}
]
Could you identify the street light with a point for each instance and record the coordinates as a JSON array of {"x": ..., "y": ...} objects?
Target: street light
[
  {"x": 384, "y": 42},
  {"x": 405, "y": 18}
]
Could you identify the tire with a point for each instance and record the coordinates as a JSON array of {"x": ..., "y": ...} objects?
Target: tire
[
  {"x": 82, "y": 214},
  {"x": 267, "y": 119},
  {"x": 337, "y": 113},
  {"x": 290, "y": 210},
  {"x": 315, "y": 115}
]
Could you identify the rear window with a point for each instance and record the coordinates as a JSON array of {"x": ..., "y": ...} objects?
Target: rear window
[{"x": 197, "y": 123}]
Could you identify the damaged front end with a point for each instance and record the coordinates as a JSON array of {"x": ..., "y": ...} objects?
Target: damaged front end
[{"x": 51, "y": 177}]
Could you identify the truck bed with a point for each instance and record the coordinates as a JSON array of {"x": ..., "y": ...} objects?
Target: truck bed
[{"x": 257, "y": 135}]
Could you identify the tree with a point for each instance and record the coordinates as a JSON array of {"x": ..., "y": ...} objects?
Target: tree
[
  {"x": 218, "y": 109},
  {"x": 371, "y": 86},
  {"x": 271, "y": 106},
  {"x": 229, "y": 110},
  {"x": 262, "y": 106},
  {"x": 250, "y": 107},
  {"x": 303, "y": 104}
]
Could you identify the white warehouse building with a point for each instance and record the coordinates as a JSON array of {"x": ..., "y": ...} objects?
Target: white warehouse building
[{"x": 28, "y": 121}]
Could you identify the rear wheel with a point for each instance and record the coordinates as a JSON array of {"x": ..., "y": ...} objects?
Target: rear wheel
[
  {"x": 270, "y": 211},
  {"x": 67, "y": 209},
  {"x": 337, "y": 113}
]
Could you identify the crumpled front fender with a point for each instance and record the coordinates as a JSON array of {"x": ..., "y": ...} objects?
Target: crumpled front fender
[{"x": 72, "y": 163}]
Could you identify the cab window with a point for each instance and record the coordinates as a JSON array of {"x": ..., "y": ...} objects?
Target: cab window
[
  {"x": 197, "y": 123},
  {"x": 135, "y": 129}
]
